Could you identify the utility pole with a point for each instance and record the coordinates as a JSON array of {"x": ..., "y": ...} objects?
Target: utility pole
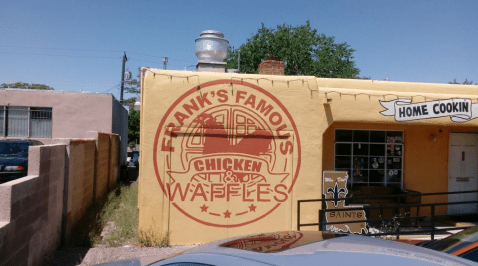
[
  {"x": 165, "y": 61},
  {"x": 122, "y": 77},
  {"x": 239, "y": 61}
]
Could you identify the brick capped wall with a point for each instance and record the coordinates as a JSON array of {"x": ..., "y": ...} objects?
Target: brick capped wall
[{"x": 271, "y": 67}]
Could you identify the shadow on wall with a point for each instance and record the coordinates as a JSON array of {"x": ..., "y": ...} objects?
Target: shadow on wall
[{"x": 38, "y": 212}]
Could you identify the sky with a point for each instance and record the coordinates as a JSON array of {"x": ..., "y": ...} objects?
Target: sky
[{"x": 78, "y": 45}]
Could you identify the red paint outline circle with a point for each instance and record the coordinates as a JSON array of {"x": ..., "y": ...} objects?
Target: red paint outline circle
[{"x": 205, "y": 85}]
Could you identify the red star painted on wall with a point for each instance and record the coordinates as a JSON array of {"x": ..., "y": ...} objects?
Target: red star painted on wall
[
  {"x": 204, "y": 208},
  {"x": 227, "y": 214},
  {"x": 252, "y": 208}
]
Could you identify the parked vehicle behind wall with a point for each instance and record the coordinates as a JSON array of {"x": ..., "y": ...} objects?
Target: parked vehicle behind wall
[
  {"x": 134, "y": 159},
  {"x": 14, "y": 158}
]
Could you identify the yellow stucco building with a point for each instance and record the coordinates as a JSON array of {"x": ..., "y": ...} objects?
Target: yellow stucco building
[{"x": 230, "y": 154}]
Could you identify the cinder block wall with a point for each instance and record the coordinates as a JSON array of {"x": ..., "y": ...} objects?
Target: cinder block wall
[
  {"x": 102, "y": 164},
  {"x": 114, "y": 160},
  {"x": 31, "y": 208},
  {"x": 80, "y": 181},
  {"x": 36, "y": 211}
]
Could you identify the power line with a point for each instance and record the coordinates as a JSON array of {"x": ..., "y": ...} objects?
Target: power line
[
  {"x": 145, "y": 61},
  {"x": 158, "y": 56},
  {"x": 114, "y": 87},
  {"x": 84, "y": 56},
  {"x": 151, "y": 61},
  {"x": 65, "y": 49},
  {"x": 88, "y": 50},
  {"x": 145, "y": 54},
  {"x": 88, "y": 56}
]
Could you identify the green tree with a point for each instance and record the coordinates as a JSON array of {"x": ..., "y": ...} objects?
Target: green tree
[
  {"x": 466, "y": 82},
  {"x": 23, "y": 85},
  {"x": 129, "y": 102},
  {"x": 304, "y": 51},
  {"x": 133, "y": 127}
]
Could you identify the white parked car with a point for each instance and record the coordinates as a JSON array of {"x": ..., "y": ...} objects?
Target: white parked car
[{"x": 304, "y": 248}]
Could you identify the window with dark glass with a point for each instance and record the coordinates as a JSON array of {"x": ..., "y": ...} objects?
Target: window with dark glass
[
  {"x": 22, "y": 121},
  {"x": 371, "y": 157}
]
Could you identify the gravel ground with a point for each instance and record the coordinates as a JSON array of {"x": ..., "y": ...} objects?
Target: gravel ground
[{"x": 69, "y": 256}]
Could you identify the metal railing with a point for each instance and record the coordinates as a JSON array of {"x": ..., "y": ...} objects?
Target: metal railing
[{"x": 397, "y": 207}]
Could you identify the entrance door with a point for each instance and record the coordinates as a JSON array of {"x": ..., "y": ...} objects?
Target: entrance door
[{"x": 462, "y": 171}]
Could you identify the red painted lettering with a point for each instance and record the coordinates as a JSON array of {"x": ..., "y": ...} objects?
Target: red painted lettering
[
  {"x": 178, "y": 187},
  {"x": 222, "y": 96},
  {"x": 285, "y": 149},
  {"x": 171, "y": 129},
  {"x": 210, "y": 164},
  {"x": 180, "y": 117},
  {"x": 193, "y": 106},
  {"x": 227, "y": 164},
  {"x": 283, "y": 193},
  {"x": 199, "y": 165},
  {"x": 231, "y": 191},
  {"x": 238, "y": 164},
  {"x": 240, "y": 95},
  {"x": 199, "y": 193},
  {"x": 165, "y": 146},
  {"x": 265, "y": 192},
  {"x": 203, "y": 99},
  {"x": 256, "y": 166},
  {"x": 251, "y": 100},
  {"x": 247, "y": 165},
  {"x": 245, "y": 194},
  {"x": 278, "y": 132},
  {"x": 217, "y": 193},
  {"x": 277, "y": 120},
  {"x": 261, "y": 107}
]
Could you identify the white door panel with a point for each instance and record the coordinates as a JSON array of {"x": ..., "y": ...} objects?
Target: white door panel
[{"x": 462, "y": 171}]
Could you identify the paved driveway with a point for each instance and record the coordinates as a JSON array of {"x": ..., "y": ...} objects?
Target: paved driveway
[{"x": 69, "y": 256}]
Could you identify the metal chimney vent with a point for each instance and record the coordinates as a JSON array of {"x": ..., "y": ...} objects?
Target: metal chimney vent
[
  {"x": 211, "y": 46},
  {"x": 211, "y": 50}
]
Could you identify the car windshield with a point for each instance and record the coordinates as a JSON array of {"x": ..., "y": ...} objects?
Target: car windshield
[
  {"x": 13, "y": 148},
  {"x": 452, "y": 242}
]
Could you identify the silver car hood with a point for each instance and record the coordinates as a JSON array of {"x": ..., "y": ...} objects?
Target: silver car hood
[{"x": 346, "y": 245}]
